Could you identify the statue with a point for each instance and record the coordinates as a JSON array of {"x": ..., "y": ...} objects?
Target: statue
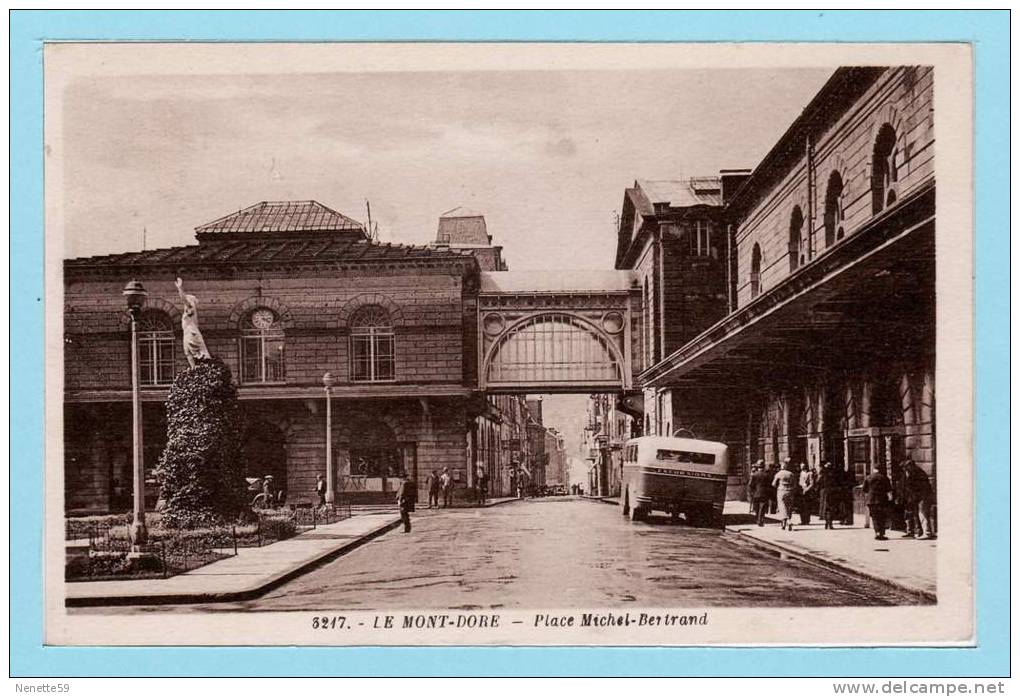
[{"x": 194, "y": 344}]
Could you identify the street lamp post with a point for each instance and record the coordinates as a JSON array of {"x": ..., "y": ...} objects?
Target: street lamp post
[
  {"x": 327, "y": 383},
  {"x": 135, "y": 294}
]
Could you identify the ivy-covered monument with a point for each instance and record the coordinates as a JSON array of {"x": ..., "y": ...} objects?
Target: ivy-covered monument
[{"x": 200, "y": 472}]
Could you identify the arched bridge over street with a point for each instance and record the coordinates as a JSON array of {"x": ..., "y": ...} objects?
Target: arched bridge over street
[{"x": 558, "y": 331}]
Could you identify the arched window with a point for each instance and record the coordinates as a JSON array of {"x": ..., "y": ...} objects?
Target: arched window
[
  {"x": 797, "y": 255},
  {"x": 834, "y": 209},
  {"x": 155, "y": 348},
  {"x": 755, "y": 271},
  {"x": 372, "y": 345},
  {"x": 883, "y": 169},
  {"x": 262, "y": 347}
]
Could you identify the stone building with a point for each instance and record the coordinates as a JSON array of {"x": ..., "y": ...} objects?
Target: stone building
[
  {"x": 607, "y": 428},
  {"x": 671, "y": 234},
  {"x": 287, "y": 291},
  {"x": 827, "y": 350}
]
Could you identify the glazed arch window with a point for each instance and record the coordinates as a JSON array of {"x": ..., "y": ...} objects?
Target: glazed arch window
[
  {"x": 833, "y": 217},
  {"x": 373, "y": 349},
  {"x": 262, "y": 347},
  {"x": 755, "y": 271},
  {"x": 884, "y": 168},
  {"x": 155, "y": 349}
]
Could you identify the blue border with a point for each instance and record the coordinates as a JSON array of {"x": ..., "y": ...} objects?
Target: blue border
[{"x": 987, "y": 30}]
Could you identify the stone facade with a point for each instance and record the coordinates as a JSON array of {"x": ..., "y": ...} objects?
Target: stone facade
[
  {"x": 827, "y": 351},
  {"x": 311, "y": 287}
]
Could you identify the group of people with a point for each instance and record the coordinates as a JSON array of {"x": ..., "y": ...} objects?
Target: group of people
[
  {"x": 440, "y": 483},
  {"x": 829, "y": 494}
]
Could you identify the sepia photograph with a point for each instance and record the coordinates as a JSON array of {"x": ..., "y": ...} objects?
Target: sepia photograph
[{"x": 508, "y": 344}]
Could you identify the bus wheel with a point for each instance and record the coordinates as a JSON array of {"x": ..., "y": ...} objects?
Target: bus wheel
[
  {"x": 636, "y": 513},
  {"x": 675, "y": 515}
]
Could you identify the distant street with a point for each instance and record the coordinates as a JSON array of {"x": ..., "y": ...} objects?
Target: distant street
[{"x": 555, "y": 552}]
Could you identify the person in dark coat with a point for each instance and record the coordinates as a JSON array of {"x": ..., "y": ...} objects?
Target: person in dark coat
[
  {"x": 407, "y": 496},
  {"x": 483, "y": 485},
  {"x": 433, "y": 486},
  {"x": 918, "y": 499},
  {"x": 847, "y": 495},
  {"x": 877, "y": 489},
  {"x": 829, "y": 487},
  {"x": 760, "y": 488}
]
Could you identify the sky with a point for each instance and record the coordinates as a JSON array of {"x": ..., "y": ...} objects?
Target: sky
[{"x": 545, "y": 155}]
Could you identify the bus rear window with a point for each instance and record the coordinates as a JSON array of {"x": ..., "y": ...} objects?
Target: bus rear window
[{"x": 685, "y": 456}]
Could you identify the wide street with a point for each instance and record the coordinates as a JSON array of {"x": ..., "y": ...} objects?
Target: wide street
[{"x": 554, "y": 552}]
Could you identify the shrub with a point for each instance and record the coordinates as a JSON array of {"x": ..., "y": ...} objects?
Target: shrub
[
  {"x": 278, "y": 528},
  {"x": 82, "y": 526},
  {"x": 201, "y": 480}
]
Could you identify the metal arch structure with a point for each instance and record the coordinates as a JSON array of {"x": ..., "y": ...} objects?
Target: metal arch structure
[{"x": 537, "y": 340}]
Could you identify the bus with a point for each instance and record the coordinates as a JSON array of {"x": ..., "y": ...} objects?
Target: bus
[{"x": 675, "y": 475}]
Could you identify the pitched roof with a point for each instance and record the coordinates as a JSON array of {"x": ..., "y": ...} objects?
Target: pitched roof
[
  {"x": 333, "y": 248},
  {"x": 681, "y": 193},
  {"x": 280, "y": 218}
]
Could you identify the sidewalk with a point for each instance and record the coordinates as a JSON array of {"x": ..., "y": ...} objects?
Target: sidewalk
[
  {"x": 906, "y": 563},
  {"x": 254, "y": 571}
]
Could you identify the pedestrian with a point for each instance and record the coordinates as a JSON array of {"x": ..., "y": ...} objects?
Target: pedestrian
[
  {"x": 828, "y": 486},
  {"x": 407, "y": 496},
  {"x": 483, "y": 485},
  {"x": 877, "y": 489},
  {"x": 918, "y": 501},
  {"x": 433, "y": 486},
  {"x": 760, "y": 491},
  {"x": 849, "y": 481},
  {"x": 807, "y": 494},
  {"x": 785, "y": 484},
  {"x": 320, "y": 489},
  {"x": 268, "y": 492},
  {"x": 446, "y": 484}
]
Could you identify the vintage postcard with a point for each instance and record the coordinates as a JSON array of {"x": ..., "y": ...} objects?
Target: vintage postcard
[{"x": 509, "y": 344}]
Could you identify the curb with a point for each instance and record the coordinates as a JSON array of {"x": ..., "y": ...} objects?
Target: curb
[
  {"x": 814, "y": 560},
  {"x": 809, "y": 558},
  {"x": 248, "y": 593}
]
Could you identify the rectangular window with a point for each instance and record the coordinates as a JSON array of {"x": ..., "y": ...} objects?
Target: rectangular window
[
  {"x": 701, "y": 239},
  {"x": 373, "y": 357},
  {"x": 262, "y": 358},
  {"x": 685, "y": 456},
  {"x": 156, "y": 358}
]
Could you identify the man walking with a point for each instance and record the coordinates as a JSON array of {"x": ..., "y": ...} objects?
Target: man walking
[
  {"x": 407, "y": 496},
  {"x": 760, "y": 488},
  {"x": 877, "y": 488},
  {"x": 433, "y": 486},
  {"x": 446, "y": 484}
]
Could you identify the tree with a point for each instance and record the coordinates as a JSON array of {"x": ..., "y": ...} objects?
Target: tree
[{"x": 200, "y": 473}]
